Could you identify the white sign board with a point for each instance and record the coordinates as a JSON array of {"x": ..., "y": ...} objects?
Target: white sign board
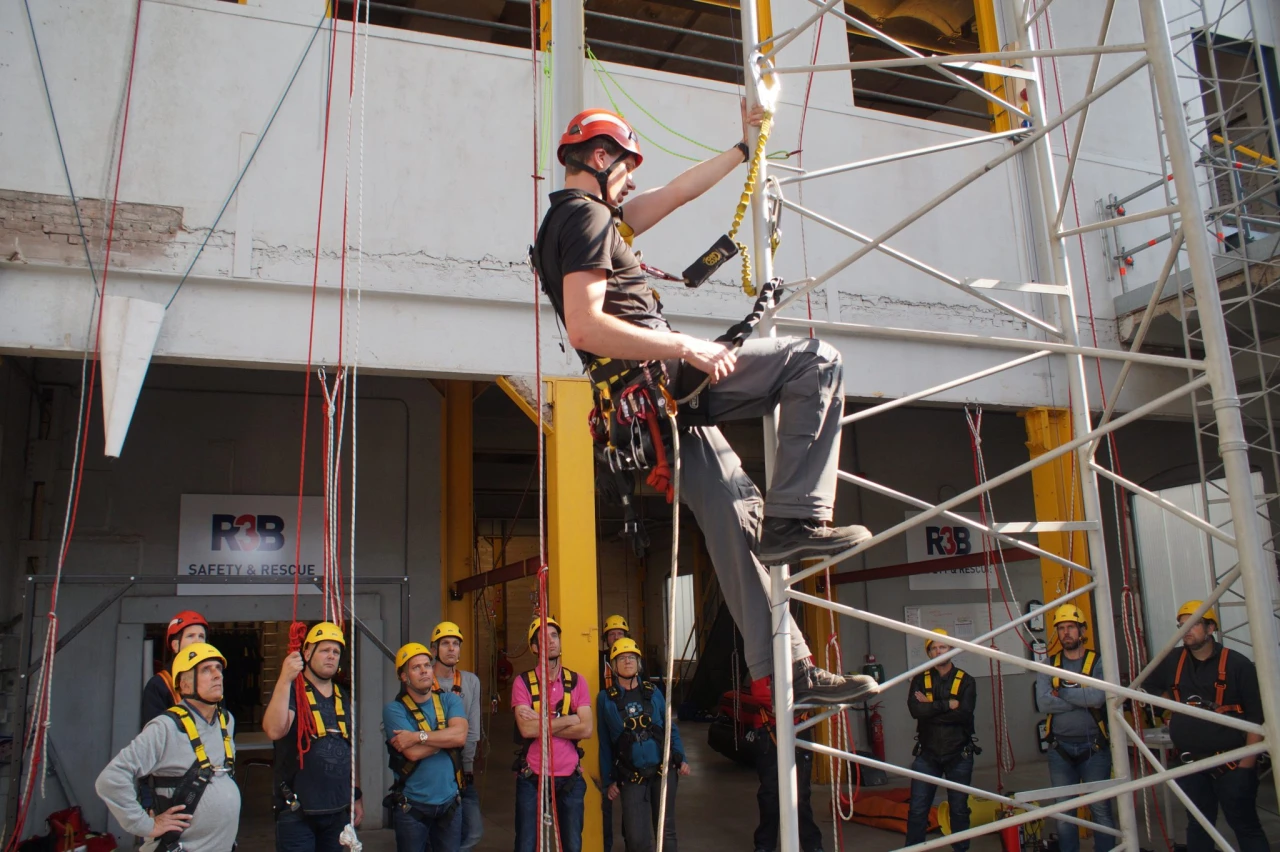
[
  {"x": 943, "y": 538},
  {"x": 963, "y": 621},
  {"x": 254, "y": 537}
]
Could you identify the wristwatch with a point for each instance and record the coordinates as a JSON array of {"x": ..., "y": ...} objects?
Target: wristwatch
[
  {"x": 422, "y": 736},
  {"x": 746, "y": 152}
]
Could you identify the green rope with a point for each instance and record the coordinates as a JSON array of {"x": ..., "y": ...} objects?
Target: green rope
[
  {"x": 544, "y": 143},
  {"x": 602, "y": 73}
]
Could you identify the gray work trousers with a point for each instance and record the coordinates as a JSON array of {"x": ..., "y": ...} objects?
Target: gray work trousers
[
  {"x": 805, "y": 379},
  {"x": 640, "y": 813}
]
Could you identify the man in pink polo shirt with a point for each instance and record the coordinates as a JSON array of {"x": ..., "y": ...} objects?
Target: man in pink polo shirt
[{"x": 569, "y": 704}]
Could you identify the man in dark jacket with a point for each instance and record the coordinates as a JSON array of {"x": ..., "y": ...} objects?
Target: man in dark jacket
[
  {"x": 941, "y": 701},
  {"x": 1205, "y": 674}
]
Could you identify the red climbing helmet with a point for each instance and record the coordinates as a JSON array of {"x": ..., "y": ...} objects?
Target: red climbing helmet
[
  {"x": 591, "y": 123},
  {"x": 182, "y": 621}
]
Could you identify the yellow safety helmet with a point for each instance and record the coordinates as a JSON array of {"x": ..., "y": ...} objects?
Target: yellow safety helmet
[
  {"x": 616, "y": 622},
  {"x": 445, "y": 629},
  {"x": 624, "y": 645},
  {"x": 1190, "y": 607},
  {"x": 928, "y": 643},
  {"x": 408, "y": 651},
  {"x": 1068, "y": 612},
  {"x": 193, "y": 655},
  {"x": 326, "y": 631},
  {"x": 538, "y": 622}
]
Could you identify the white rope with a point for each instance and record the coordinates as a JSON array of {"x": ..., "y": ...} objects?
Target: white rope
[{"x": 671, "y": 626}]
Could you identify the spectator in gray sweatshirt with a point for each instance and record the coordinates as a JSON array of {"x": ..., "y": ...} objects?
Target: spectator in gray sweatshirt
[
  {"x": 175, "y": 751},
  {"x": 1079, "y": 745},
  {"x": 446, "y": 645}
]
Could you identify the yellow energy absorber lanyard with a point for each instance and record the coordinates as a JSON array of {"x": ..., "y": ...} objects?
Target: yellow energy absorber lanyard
[
  {"x": 534, "y": 691},
  {"x": 189, "y": 726},
  {"x": 748, "y": 188},
  {"x": 955, "y": 685},
  {"x": 337, "y": 710}
]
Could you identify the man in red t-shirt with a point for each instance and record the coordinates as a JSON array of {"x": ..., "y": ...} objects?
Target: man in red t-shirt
[{"x": 569, "y": 712}]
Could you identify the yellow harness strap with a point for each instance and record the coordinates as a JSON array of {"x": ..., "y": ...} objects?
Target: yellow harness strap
[
  {"x": 1090, "y": 658},
  {"x": 535, "y": 693},
  {"x": 337, "y": 710},
  {"x": 955, "y": 685},
  {"x": 188, "y": 724},
  {"x": 441, "y": 723}
]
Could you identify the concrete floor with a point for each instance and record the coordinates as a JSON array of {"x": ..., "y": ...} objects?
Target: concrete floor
[{"x": 716, "y": 808}]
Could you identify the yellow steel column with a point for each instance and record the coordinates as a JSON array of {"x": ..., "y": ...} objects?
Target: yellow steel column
[
  {"x": 571, "y": 541},
  {"x": 1057, "y": 493},
  {"x": 457, "y": 533},
  {"x": 989, "y": 42}
]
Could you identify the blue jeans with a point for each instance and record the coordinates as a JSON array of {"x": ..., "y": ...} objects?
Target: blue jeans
[
  {"x": 1094, "y": 765},
  {"x": 427, "y": 828},
  {"x": 569, "y": 794},
  {"x": 472, "y": 823},
  {"x": 958, "y": 769},
  {"x": 298, "y": 832},
  {"x": 606, "y": 813},
  {"x": 1236, "y": 791}
]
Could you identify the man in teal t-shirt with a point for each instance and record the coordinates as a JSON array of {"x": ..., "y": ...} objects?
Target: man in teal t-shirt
[{"x": 426, "y": 756}]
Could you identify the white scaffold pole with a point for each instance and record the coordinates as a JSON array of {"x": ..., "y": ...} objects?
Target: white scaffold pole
[
  {"x": 1103, "y": 612},
  {"x": 1233, "y": 445}
]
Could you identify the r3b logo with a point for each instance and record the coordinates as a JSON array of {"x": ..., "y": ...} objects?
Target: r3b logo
[
  {"x": 948, "y": 541},
  {"x": 247, "y": 532}
]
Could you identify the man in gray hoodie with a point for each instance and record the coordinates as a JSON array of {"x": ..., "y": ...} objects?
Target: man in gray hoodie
[
  {"x": 187, "y": 757},
  {"x": 1079, "y": 745}
]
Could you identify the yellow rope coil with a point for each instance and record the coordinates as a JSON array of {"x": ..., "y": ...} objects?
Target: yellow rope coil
[{"x": 753, "y": 174}]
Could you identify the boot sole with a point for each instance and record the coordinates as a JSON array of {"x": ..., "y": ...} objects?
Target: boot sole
[
  {"x": 807, "y": 550},
  {"x": 831, "y": 696}
]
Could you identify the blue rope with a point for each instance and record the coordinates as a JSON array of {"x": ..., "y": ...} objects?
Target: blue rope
[
  {"x": 62, "y": 154},
  {"x": 261, "y": 138}
]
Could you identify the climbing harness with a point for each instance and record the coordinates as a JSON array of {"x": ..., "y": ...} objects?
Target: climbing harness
[
  {"x": 337, "y": 709},
  {"x": 401, "y": 766},
  {"x": 636, "y": 729},
  {"x": 569, "y": 680},
  {"x": 187, "y": 789},
  {"x": 955, "y": 685},
  {"x": 1219, "y": 687},
  {"x": 1099, "y": 715}
]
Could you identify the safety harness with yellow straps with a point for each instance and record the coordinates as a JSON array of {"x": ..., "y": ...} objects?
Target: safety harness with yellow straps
[
  {"x": 569, "y": 680},
  {"x": 955, "y": 685},
  {"x": 402, "y": 766},
  {"x": 188, "y": 788},
  {"x": 1099, "y": 716},
  {"x": 337, "y": 711}
]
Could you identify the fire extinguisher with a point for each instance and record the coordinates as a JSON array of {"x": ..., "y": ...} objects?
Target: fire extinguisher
[{"x": 875, "y": 732}]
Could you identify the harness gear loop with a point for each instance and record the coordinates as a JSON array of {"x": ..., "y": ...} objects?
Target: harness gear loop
[{"x": 1219, "y": 686}]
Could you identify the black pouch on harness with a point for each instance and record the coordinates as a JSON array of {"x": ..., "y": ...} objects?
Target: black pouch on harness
[
  {"x": 187, "y": 791},
  {"x": 712, "y": 259}
]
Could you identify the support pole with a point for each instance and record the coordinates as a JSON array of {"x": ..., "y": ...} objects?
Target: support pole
[
  {"x": 458, "y": 538},
  {"x": 1233, "y": 446},
  {"x": 571, "y": 534},
  {"x": 568, "y": 56},
  {"x": 1104, "y": 620}
]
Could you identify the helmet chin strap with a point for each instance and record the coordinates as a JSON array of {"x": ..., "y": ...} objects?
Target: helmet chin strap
[{"x": 602, "y": 177}]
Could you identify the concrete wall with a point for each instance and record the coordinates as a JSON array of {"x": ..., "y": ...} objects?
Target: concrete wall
[
  {"x": 212, "y": 431},
  {"x": 446, "y": 212}
]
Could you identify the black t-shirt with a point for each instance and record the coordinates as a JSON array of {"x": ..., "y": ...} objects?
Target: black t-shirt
[
  {"x": 1200, "y": 678},
  {"x": 323, "y": 784},
  {"x": 579, "y": 234},
  {"x": 156, "y": 698}
]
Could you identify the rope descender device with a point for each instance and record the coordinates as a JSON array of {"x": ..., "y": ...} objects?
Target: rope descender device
[{"x": 767, "y": 88}]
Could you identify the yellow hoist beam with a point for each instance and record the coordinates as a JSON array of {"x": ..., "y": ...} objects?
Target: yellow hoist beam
[{"x": 1058, "y": 497}]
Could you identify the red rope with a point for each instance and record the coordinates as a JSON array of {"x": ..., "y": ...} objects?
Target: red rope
[{"x": 38, "y": 725}]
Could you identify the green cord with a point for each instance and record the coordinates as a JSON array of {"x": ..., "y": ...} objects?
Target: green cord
[{"x": 602, "y": 73}]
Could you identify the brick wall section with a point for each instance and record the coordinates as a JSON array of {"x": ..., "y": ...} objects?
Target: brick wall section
[{"x": 43, "y": 228}]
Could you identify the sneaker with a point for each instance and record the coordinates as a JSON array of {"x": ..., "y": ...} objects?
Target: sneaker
[
  {"x": 788, "y": 540},
  {"x": 813, "y": 685}
]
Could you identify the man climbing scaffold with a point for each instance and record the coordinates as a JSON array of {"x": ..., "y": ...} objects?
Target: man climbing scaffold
[{"x": 599, "y": 290}]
